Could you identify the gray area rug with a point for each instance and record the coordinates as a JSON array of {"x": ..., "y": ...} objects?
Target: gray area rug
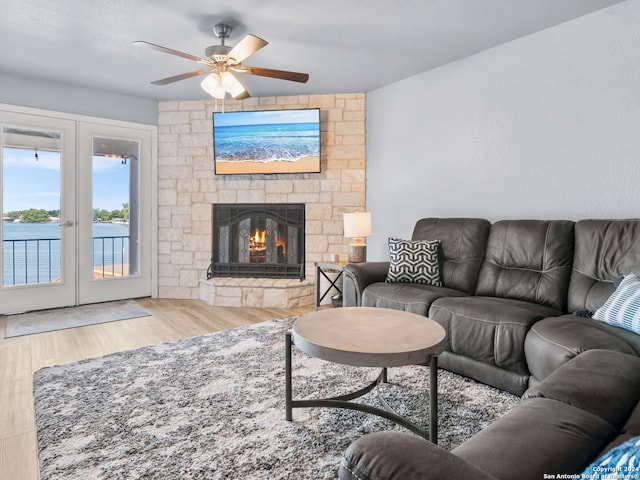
[
  {"x": 62, "y": 318},
  {"x": 212, "y": 407}
]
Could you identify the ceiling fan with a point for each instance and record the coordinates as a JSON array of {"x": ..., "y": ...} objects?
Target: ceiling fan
[{"x": 223, "y": 63}]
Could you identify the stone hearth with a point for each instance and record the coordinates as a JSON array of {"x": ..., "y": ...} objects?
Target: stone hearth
[{"x": 257, "y": 292}]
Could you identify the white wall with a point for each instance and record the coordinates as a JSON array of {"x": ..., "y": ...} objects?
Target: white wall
[
  {"x": 60, "y": 97},
  {"x": 547, "y": 127}
]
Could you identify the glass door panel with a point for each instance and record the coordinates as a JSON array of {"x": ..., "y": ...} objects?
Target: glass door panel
[
  {"x": 31, "y": 216},
  {"x": 38, "y": 227},
  {"x": 115, "y": 207}
]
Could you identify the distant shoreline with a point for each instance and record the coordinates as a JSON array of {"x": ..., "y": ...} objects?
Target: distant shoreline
[{"x": 306, "y": 164}]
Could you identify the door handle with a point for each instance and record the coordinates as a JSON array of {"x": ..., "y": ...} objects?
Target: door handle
[{"x": 69, "y": 223}]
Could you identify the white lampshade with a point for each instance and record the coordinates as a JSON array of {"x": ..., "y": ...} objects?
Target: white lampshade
[
  {"x": 232, "y": 85},
  {"x": 212, "y": 84},
  {"x": 357, "y": 225}
]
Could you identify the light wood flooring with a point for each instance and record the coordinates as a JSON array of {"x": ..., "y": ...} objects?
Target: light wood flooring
[{"x": 21, "y": 356}]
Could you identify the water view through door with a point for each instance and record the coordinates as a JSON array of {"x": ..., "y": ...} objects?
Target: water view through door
[
  {"x": 115, "y": 207},
  {"x": 31, "y": 230}
]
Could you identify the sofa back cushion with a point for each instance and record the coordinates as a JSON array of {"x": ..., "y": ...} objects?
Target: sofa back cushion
[
  {"x": 528, "y": 260},
  {"x": 605, "y": 250},
  {"x": 462, "y": 245}
]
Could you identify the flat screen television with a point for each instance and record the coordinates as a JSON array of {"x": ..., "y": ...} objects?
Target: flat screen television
[{"x": 266, "y": 142}]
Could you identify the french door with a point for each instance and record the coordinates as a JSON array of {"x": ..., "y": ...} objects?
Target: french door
[
  {"x": 77, "y": 215},
  {"x": 114, "y": 214}
]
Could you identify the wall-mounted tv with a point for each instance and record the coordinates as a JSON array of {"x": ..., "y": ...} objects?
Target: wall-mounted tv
[{"x": 267, "y": 142}]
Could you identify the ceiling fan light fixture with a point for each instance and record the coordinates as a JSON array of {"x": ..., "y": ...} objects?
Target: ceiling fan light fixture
[
  {"x": 231, "y": 84},
  {"x": 212, "y": 84},
  {"x": 219, "y": 60}
]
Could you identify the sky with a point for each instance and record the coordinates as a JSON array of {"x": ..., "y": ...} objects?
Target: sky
[
  {"x": 29, "y": 183},
  {"x": 266, "y": 117}
]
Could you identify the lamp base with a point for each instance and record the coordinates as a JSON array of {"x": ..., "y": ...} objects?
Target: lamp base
[{"x": 357, "y": 253}]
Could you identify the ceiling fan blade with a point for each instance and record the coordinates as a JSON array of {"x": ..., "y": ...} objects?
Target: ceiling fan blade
[
  {"x": 171, "y": 51},
  {"x": 242, "y": 96},
  {"x": 249, "y": 45},
  {"x": 281, "y": 74},
  {"x": 182, "y": 76}
]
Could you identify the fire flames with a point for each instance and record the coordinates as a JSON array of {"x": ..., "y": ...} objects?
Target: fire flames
[
  {"x": 258, "y": 243},
  {"x": 259, "y": 239}
]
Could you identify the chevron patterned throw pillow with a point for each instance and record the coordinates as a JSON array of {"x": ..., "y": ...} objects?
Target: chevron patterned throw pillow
[{"x": 414, "y": 261}]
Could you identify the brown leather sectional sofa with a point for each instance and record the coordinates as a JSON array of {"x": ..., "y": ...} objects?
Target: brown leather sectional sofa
[{"x": 515, "y": 301}]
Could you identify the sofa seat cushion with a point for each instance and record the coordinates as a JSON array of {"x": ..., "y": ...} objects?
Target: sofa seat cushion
[
  {"x": 489, "y": 329},
  {"x": 410, "y": 297},
  {"x": 588, "y": 380},
  {"x": 552, "y": 342},
  {"x": 516, "y": 383},
  {"x": 539, "y": 436}
]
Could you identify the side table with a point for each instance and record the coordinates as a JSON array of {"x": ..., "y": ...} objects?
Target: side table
[{"x": 321, "y": 270}]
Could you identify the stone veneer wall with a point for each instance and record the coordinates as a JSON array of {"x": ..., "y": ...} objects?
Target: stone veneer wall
[{"x": 187, "y": 187}]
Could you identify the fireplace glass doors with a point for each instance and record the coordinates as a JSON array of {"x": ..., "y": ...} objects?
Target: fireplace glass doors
[{"x": 258, "y": 240}]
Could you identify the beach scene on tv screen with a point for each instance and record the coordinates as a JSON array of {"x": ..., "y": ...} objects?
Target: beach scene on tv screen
[{"x": 273, "y": 141}]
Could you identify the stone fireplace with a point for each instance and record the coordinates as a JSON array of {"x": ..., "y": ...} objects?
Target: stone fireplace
[
  {"x": 188, "y": 186},
  {"x": 258, "y": 240}
]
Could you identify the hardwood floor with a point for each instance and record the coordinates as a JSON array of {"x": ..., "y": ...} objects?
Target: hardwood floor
[{"x": 21, "y": 356}]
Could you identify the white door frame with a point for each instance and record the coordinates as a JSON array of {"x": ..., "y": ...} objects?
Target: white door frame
[
  {"x": 92, "y": 290},
  {"x": 60, "y": 293},
  {"x": 31, "y": 300}
]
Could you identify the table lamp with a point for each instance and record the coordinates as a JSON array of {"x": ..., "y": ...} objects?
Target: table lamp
[{"x": 357, "y": 226}]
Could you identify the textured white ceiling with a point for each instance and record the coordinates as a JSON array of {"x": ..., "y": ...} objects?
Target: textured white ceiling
[{"x": 345, "y": 46}]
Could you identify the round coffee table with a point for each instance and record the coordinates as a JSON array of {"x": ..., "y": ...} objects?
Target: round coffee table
[{"x": 368, "y": 337}]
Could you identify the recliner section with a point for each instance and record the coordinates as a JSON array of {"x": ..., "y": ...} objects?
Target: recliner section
[
  {"x": 462, "y": 246},
  {"x": 523, "y": 279},
  {"x": 409, "y": 297},
  {"x": 492, "y": 331},
  {"x": 463, "y": 242},
  {"x": 605, "y": 250},
  {"x": 510, "y": 291}
]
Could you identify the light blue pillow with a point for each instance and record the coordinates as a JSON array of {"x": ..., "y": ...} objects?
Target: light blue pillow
[
  {"x": 622, "y": 308},
  {"x": 621, "y": 462}
]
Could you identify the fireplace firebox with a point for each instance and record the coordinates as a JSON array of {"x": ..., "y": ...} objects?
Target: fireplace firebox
[{"x": 258, "y": 240}]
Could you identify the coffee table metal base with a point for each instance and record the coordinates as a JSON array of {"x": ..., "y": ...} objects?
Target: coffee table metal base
[{"x": 344, "y": 401}]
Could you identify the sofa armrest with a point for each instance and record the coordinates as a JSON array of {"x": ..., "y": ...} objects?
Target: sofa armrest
[
  {"x": 356, "y": 278},
  {"x": 402, "y": 456}
]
